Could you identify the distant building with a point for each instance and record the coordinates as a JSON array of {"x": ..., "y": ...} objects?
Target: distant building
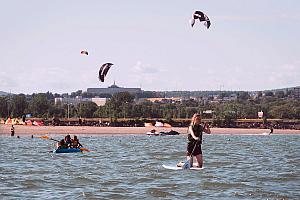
[
  {"x": 231, "y": 97},
  {"x": 161, "y": 100},
  {"x": 66, "y": 100},
  {"x": 99, "y": 101},
  {"x": 113, "y": 89},
  {"x": 79, "y": 99},
  {"x": 296, "y": 92}
]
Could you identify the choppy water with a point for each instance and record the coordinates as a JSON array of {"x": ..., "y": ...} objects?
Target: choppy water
[{"x": 129, "y": 167}]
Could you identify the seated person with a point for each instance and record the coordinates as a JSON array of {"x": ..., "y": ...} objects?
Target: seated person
[
  {"x": 61, "y": 145},
  {"x": 75, "y": 142},
  {"x": 68, "y": 141}
]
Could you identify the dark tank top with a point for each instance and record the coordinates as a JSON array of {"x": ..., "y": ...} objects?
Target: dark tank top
[{"x": 197, "y": 129}]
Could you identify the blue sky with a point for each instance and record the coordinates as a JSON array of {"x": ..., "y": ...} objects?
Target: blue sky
[{"x": 251, "y": 45}]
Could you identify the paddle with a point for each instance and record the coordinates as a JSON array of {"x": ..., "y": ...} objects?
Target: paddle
[
  {"x": 47, "y": 138},
  {"x": 84, "y": 149},
  {"x": 187, "y": 164}
]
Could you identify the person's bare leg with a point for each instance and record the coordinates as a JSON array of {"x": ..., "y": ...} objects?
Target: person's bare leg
[{"x": 199, "y": 160}]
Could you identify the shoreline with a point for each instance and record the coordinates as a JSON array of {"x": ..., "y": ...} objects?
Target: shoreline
[{"x": 22, "y": 130}]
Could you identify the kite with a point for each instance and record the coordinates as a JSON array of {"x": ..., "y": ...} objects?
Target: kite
[
  {"x": 103, "y": 71},
  {"x": 84, "y": 52},
  {"x": 202, "y": 17}
]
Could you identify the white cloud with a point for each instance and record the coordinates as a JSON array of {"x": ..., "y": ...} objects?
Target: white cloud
[
  {"x": 238, "y": 18},
  {"x": 259, "y": 18},
  {"x": 288, "y": 17},
  {"x": 147, "y": 76},
  {"x": 288, "y": 74},
  {"x": 142, "y": 68}
]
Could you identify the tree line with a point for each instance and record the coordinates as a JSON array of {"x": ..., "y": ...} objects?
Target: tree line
[{"x": 123, "y": 105}]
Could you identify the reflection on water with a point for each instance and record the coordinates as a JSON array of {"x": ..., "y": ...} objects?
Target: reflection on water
[{"x": 127, "y": 167}]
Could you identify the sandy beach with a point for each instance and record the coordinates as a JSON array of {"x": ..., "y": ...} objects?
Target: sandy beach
[{"x": 89, "y": 130}]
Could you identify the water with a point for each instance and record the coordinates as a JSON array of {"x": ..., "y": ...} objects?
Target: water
[{"x": 129, "y": 167}]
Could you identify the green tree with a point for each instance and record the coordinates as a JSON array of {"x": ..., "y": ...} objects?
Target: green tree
[
  {"x": 18, "y": 105},
  {"x": 279, "y": 94},
  {"x": 77, "y": 93},
  {"x": 243, "y": 96},
  {"x": 3, "y": 107},
  {"x": 39, "y": 105},
  {"x": 120, "y": 103},
  {"x": 269, "y": 94},
  {"x": 87, "y": 109},
  {"x": 49, "y": 95},
  {"x": 102, "y": 111},
  {"x": 259, "y": 94},
  {"x": 56, "y": 111}
]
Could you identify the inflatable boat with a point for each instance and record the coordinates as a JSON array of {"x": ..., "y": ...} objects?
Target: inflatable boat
[{"x": 69, "y": 150}]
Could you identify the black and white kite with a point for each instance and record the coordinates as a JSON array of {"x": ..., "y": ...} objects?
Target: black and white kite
[
  {"x": 103, "y": 71},
  {"x": 84, "y": 52},
  {"x": 202, "y": 18}
]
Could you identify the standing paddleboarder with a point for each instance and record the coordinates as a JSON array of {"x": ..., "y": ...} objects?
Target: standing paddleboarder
[{"x": 195, "y": 139}]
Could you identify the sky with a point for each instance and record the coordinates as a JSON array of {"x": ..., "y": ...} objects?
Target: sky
[{"x": 251, "y": 45}]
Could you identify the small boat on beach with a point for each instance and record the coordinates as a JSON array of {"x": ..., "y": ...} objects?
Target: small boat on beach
[
  {"x": 69, "y": 150},
  {"x": 162, "y": 133},
  {"x": 169, "y": 133},
  {"x": 153, "y": 132}
]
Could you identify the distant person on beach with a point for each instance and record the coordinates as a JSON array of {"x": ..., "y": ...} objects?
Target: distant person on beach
[
  {"x": 195, "y": 132},
  {"x": 271, "y": 130},
  {"x": 12, "y": 130},
  {"x": 53, "y": 121},
  {"x": 23, "y": 118}
]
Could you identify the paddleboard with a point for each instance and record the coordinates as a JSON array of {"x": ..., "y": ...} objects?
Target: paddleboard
[{"x": 179, "y": 168}]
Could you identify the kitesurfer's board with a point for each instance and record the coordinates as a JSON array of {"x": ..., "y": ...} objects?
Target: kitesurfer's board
[{"x": 179, "y": 168}]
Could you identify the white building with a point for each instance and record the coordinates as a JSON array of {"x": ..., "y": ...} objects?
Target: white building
[
  {"x": 99, "y": 101},
  {"x": 75, "y": 101},
  {"x": 113, "y": 89}
]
